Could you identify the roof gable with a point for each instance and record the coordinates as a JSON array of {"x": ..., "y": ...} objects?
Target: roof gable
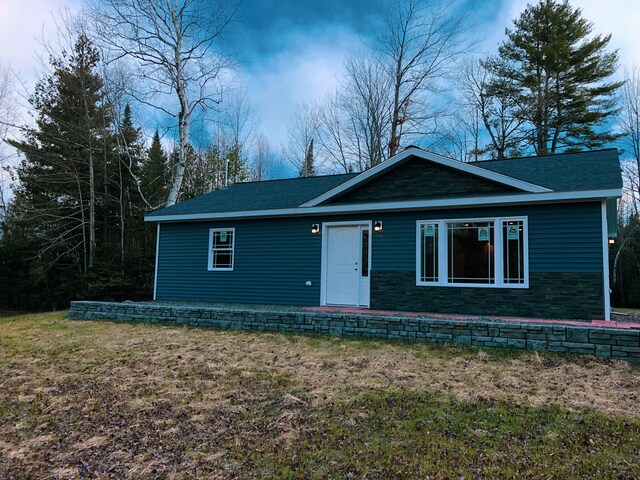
[
  {"x": 397, "y": 160},
  {"x": 415, "y": 179}
]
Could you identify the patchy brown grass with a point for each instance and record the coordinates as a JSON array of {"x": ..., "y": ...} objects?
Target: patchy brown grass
[{"x": 85, "y": 399}]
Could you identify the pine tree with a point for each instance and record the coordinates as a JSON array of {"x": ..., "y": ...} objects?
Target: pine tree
[
  {"x": 62, "y": 170},
  {"x": 154, "y": 176},
  {"x": 237, "y": 163},
  {"x": 308, "y": 167},
  {"x": 559, "y": 73},
  {"x": 124, "y": 196},
  {"x": 131, "y": 145}
]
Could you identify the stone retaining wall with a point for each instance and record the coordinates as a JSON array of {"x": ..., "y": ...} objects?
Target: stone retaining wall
[{"x": 603, "y": 342}]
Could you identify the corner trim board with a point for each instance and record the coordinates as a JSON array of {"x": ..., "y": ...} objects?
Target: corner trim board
[
  {"x": 155, "y": 275},
  {"x": 605, "y": 263}
]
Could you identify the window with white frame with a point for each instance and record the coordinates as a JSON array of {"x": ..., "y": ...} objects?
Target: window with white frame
[
  {"x": 221, "y": 247},
  {"x": 475, "y": 252}
]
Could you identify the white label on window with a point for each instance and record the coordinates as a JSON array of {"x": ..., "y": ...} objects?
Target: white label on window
[
  {"x": 429, "y": 230},
  {"x": 513, "y": 232},
  {"x": 223, "y": 237},
  {"x": 483, "y": 234}
]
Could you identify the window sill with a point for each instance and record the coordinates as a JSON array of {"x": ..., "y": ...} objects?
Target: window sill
[
  {"x": 220, "y": 269},
  {"x": 472, "y": 285}
]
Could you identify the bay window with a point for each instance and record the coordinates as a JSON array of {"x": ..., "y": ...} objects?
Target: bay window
[{"x": 475, "y": 252}]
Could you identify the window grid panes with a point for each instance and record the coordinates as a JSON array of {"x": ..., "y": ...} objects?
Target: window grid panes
[
  {"x": 429, "y": 252},
  {"x": 222, "y": 249},
  {"x": 471, "y": 252},
  {"x": 513, "y": 251}
]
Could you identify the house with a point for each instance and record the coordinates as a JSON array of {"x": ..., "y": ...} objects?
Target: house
[{"x": 523, "y": 237}]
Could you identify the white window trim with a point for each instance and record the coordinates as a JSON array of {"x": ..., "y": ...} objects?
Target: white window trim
[
  {"x": 210, "y": 266},
  {"x": 443, "y": 252}
]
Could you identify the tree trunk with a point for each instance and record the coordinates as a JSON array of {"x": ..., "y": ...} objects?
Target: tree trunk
[
  {"x": 122, "y": 218},
  {"x": 92, "y": 186},
  {"x": 394, "y": 141},
  {"x": 92, "y": 210},
  {"x": 184, "y": 124}
]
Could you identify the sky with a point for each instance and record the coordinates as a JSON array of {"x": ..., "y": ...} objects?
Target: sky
[{"x": 292, "y": 51}]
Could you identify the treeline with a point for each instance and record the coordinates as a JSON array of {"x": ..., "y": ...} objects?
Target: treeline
[
  {"x": 91, "y": 165},
  {"x": 74, "y": 228}
]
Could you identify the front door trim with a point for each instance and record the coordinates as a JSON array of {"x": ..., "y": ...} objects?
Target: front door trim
[{"x": 323, "y": 263}]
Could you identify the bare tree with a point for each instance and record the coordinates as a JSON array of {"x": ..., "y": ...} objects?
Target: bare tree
[
  {"x": 266, "y": 164},
  {"x": 304, "y": 126},
  {"x": 368, "y": 106},
  {"x": 172, "y": 44},
  {"x": 630, "y": 123},
  {"x": 338, "y": 136},
  {"x": 233, "y": 135},
  {"x": 461, "y": 135},
  {"x": 490, "y": 98},
  {"x": 418, "y": 45},
  {"x": 7, "y": 120},
  {"x": 117, "y": 85},
  {"x": 353, "y": 125},
  {"x": 389, "y": 94}
]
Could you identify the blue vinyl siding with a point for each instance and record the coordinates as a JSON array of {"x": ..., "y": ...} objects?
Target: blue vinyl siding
[
  {"x": 273, "y": 261},
  {"x": 275, "y": 257}
]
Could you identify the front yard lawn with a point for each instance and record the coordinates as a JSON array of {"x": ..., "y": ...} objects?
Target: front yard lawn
[{"x": 100, "y": 399}]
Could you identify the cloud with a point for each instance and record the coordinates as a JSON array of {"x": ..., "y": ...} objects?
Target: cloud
[
  {"x": 308, "y": 67},
  {"x": 291, "y": 62},
  {"x": 22, "y": 25},
  {"x": 620, "y": 18}
]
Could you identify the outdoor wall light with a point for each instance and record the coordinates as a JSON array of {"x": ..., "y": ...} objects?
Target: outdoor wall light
[
  {"x": 315, "y": 228},
  {"x": 612, "y": 241},
  {"x": 377, "y": 226}
]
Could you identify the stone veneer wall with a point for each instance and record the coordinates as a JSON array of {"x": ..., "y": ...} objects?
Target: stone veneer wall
[
  {"x": 550, "y": 295},
  {"x": 603, "y": 342}
]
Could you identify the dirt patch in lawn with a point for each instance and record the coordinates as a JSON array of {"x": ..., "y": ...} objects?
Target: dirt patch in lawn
[{"x": 136, "y": 401}]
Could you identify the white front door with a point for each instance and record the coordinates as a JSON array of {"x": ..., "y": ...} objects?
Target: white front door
[{"x": 344, "y": 270}]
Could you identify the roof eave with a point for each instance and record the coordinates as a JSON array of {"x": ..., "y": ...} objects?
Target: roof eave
[{"x": 463, "y": 202}]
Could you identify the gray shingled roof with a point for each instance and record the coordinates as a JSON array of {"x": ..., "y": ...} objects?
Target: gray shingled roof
[
  {"x": 266, "y": 195},
  {"x": 593, "y": 170}
]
